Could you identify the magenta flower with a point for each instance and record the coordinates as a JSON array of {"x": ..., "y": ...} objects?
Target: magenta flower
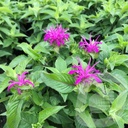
[
  {"x": 56, "y": 36},
  {"x": 85, "y": 75},
  {"x": 91, "y": 46},
  {"x": 21, "y": 82}
]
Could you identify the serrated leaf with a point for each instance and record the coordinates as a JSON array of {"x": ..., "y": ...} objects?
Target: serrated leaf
[
  {"x": 99, "y": 103},
  {"x": 61, "y": 82},
  {"x": 14, "y": 113}
]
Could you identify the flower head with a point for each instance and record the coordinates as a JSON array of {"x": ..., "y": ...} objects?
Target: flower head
[
  {"x": 91, "y": 46},
  {"x": 21, "y": 82},
  {"x": 56, "y": 36},
  {"x": 85, "y": 75}
]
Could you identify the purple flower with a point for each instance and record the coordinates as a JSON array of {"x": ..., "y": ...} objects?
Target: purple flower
[
  {"x": 85, "y": 75},
  {"x": 91, "y": 46},
  {"x": 56, "y": 36},
  {"x": 21, "y": 81}
]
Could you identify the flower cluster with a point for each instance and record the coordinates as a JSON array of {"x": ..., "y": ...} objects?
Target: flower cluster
[
  {"x": 21, "y": 82},
  {"x": 91, "y": 46},
  {"x": 56, "y": 36},
  {"x": 85, "y": 75}
]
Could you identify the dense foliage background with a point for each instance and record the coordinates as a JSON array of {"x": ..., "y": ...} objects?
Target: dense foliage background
[{"x": 55, "y": 102}]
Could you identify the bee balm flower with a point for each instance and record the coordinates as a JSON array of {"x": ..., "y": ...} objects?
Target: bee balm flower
[
  {"x": 85, "y": 75},
  {"x": 56, "y": 36},
  {"x": 21, "y": 82},
  {"x": 91, "y": 46}
]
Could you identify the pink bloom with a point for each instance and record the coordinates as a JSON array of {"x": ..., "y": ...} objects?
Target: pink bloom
[
  {"x": 91, "y": 46},
  {"x": 56, "y": 36},
  {"x": 21, "y": 81},
  {"x": 85, "y": 75}
]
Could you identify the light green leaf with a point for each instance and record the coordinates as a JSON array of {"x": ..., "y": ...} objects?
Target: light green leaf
[
  {"x": 99, "y": 103},
  {"x": 28, "y": 50},
  {"x": 4, "y": 84},
  {"x": 119, "y": 121},
  {"x": 22, "y": 66},
  {"x": 117, "y": 76},
  {"x": 116, "y": 60},
  {"x": 5, "y": 30},
  {"x": 35, "y": 97},
  {"x": 19, "y": 59},
  {"x": 61, "y": 82},
  {"x": 118, "y": 103},
  {"x": 5, "y": 10},
  {"x": 47, "y": 112},
  {"x": 54, "y": 70},
  {"x": 14, "y": 113},
  {"x": 60, "y": 64},
  {"x": 9, "y": 71}
]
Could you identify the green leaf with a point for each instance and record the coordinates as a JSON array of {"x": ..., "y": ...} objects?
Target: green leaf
[
  {"x": 60, "y": 64},
  {"x": 117, "y": 76},
  {"x": 86, "y": 117},
  {"x": 27, "y": 119},
  {"x": 47, "y": 112},
  {"x": 42, "y": 47},
  {"x": 14, "y": 113},
  {"x": 22, "y": 66},
  {"x": 16, "y": 34},
  {"x": 37, "y": 100},
  {"x": 61, "y": 82},
  {"x": 54, "y": 70},
  {"x": 4, "y": 84},
  {"x": 125, "y": 8},
  {"x": 116, "y": 59},
  {"x": 119, "y": 121},
  {"x": 5, "y": 10},
  {"x": 4, "y": 53},
  {"x": 5, "y": 30},
  {"x": 99, "y": 103},
  {"x": 7, "y": 42},
  {"x": 9, "y": 71},
  {"x": 28, "y": 50},
  {"x": 118, "y": 103},
  {"x": 19, "y": 59}
]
